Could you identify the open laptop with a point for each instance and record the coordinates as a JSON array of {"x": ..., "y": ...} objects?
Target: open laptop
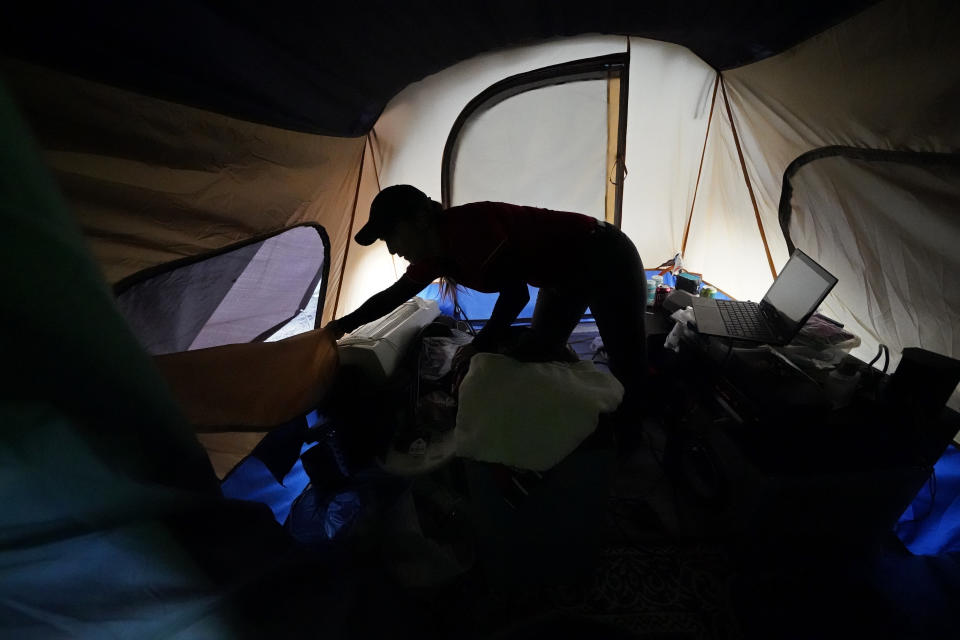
[{"x": 791, "y": 299}]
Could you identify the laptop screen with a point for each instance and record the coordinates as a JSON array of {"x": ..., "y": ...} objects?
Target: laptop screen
[{"x": 799, "y": 289}]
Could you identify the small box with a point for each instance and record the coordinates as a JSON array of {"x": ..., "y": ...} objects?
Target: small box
[
  {"x": 677, "y": 300},
  {"x": 688, "y": 282}
]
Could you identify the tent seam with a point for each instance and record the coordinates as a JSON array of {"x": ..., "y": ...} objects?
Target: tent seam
[
  {"x": 703, "y": 153},
  {"x": 353, "y": 216},
  {"x": 372, "y": 137}
]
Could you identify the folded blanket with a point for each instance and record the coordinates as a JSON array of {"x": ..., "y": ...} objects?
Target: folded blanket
[{"x": 530, "y": 415}]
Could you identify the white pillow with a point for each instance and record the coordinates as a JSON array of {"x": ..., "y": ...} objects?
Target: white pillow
[{"x": 530, "y": 415}]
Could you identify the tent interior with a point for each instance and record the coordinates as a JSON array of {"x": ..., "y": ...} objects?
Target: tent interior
[{"x": 185, "y": 451}]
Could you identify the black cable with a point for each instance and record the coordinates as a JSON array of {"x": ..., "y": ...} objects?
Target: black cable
[
  {"x": 729, "y": 351},
  {"x": 881, "y": 350},
  {"x": 458, "y": 310},
  {"x": 875, "y": 380}
]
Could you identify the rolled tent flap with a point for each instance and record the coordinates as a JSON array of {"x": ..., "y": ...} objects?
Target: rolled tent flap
[{"x": 254, "y": 386}]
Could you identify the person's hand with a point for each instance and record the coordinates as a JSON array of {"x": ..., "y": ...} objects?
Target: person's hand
[{"x": 335, "y": 330}]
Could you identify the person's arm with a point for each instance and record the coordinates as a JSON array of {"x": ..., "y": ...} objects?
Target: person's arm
[
  {"x": 377, "y": 306},
  {"x": 510, "y": 303}
]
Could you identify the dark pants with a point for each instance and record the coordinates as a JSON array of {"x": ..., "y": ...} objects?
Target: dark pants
[{"x": 610, "y": 279}]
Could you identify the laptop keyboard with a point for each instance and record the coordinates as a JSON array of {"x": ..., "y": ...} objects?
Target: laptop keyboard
[{"x": 743, "y": 319}]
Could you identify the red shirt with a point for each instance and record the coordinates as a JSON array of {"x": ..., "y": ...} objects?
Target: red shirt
[{"x": 494, "y": 243}]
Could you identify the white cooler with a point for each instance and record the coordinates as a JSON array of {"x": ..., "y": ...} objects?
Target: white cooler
[{"x": 377, "y": 346}]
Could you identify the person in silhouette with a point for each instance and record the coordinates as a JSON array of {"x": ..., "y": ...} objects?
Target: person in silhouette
[{"x": 575, "y": 260}]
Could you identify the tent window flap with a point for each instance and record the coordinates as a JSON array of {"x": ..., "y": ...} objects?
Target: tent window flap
[{"x": 239, "y": 295}]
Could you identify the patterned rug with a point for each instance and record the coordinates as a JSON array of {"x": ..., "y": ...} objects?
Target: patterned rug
[
  {"x": 658, "y": 590},
  {"x": 663, "y": 590}
]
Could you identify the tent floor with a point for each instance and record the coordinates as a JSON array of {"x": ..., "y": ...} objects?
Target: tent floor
[
  {"x": 650, "y": 580},
  {"x": 672, "y": 565},
  {"x": 655, "y": 578}
]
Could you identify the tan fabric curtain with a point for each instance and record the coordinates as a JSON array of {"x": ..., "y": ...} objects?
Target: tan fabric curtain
[{"x": 153, "y": 181}]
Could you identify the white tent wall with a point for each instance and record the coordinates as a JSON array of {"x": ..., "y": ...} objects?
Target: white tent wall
[
  {"x": 667, "y": 113},
  {"x": 883, "y": 79}
]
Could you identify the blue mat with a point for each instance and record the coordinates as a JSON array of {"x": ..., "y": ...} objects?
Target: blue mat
[
  {"x": 253, "y": 480},
  {"x": 931, "y": 524},
  {"x": 479, "y": 306}
]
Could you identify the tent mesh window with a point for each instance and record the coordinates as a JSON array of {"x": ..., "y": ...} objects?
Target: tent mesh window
[
  {"x": 262, "y": 290},
  {"x": 549, "y": 138}
]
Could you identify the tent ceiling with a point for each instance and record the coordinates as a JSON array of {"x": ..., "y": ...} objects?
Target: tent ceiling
[{"x": 331, "y": 68}]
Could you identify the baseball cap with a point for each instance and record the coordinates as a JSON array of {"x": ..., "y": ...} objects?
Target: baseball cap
[{"x": 391, "y": 205}]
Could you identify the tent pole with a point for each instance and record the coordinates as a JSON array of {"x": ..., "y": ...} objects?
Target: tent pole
[
  {"x": 746, "y": 177},
  {"x": 696, "y": 188}
]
